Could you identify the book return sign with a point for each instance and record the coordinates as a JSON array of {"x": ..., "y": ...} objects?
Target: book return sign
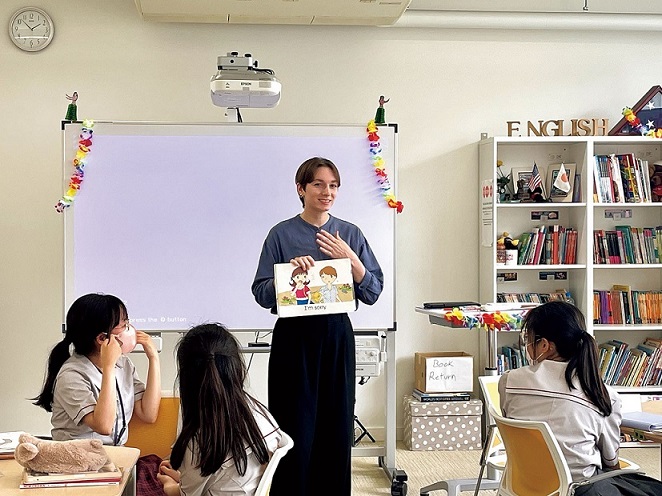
[{"x": 444, "y": 372}]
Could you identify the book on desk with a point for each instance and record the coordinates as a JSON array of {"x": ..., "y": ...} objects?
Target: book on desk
[
  {"x": 644, "y": 421},
  {"x": 109, "y": 474}
]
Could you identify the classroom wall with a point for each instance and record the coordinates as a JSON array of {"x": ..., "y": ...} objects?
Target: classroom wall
[{"x": 445, "y": 87}]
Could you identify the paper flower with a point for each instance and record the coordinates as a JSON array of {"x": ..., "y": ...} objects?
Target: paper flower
[
  {"x": 379, "y": 166},
  {"x": 84, "y": 146}
]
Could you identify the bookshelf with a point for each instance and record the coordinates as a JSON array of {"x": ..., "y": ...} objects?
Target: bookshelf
[{"x": 585, "y": 215}]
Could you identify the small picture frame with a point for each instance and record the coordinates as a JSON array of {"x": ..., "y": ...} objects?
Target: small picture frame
[
  {"x": 520, "y": 174},
  {"x": 328, "y": 287},
  {"x": 557, "y": 195}
]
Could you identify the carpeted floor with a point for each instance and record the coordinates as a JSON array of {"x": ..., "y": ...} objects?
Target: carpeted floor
[{"x": 427, "y": 467}]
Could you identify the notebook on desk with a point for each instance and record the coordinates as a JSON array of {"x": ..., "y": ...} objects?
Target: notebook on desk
[{"x": 644, "y": 421}]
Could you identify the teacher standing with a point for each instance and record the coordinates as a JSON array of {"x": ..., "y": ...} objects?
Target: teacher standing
[{"x": 312, "y": 363}]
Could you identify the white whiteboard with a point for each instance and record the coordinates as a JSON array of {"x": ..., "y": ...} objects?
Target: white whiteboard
[{"x": 171, "y": 217}]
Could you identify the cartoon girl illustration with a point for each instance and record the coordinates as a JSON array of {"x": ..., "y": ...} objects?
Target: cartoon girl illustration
[
  {"x": 299, "y": 283},
  {"x": 329, "y": 292}
]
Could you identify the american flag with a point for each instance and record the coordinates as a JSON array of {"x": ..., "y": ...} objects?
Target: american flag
[{"x": 535, "y": 181}]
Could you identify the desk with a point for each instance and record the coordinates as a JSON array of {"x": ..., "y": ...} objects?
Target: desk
[
  {"x": 638, "y": 434},
  {"x": 120, "y": 455}
]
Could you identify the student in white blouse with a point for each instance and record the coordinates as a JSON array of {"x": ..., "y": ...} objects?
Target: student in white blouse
[
  {"x": 227, "y": 436},
  {"x": 562, "y": 386}
]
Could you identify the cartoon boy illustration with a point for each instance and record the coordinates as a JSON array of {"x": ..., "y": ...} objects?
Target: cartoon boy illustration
[
  {"x": 299, "y": 282},
  {"x": 329, "y": 292}
]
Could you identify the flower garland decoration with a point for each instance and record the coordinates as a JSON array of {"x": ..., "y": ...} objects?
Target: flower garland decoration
[
  {"x": 379, "y": 165},
  {"x": 79, "y": 163},
  {"x": 501, "y": 321}
]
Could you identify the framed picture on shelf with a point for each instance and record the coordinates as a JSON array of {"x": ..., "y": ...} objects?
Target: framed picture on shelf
[
  {"x": 556, "y": 194},
  {"x": 521, "y": 176}
]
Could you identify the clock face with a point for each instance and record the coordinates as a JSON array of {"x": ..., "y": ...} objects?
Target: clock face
[{"x": 31, "y": 29}]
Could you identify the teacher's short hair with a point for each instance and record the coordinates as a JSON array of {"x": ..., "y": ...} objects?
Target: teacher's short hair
[{"x": 306, "y": 171}]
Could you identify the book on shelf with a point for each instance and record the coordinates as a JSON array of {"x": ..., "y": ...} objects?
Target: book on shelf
[
  {"x": 644, "y": 421},
  {"x": 434, "y": 397},
  {"x": 108, "y": 474},
  {"x": 621, "y": 179}
]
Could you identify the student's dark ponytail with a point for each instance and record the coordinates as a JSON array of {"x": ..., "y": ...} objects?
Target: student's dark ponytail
[
  {"x": 564, "y": 325},
  {"x": 59, "y": 355},
  {"x": 585, "y": 365},
  {"x": 88, "y": 316},
  {"x": 217, "y": 417}
]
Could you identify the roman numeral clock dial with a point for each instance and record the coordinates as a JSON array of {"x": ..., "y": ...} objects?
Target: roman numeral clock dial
[{"x": 31, "y": 29}]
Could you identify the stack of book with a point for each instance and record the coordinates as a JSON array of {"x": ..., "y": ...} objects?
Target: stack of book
[
  {"x": 621, "y": 365},
  {"x": 623, "y": 305},
  {"x": 548, "y": 245},
  {"x": 627, "y": 245},
  {"x": 621, "y": 179},
  {"x": 108, "y": 475},
  {"x": 428, "y": 397}
]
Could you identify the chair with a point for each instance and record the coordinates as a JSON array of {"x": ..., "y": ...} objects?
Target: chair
[
  {"x": 156, "y": 438},
  {"x": 535, "y": 463},
  {"x": 492, "y": 455},
  {"x": 284, "y": 446}
]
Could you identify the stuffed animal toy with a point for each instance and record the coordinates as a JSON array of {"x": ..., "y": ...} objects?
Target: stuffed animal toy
[
  {"x": 507, "y": 242},
  {"x": 69, "y": 457}
]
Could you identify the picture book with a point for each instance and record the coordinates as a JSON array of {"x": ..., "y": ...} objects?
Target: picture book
[
  {"x": 328, "y": 287},
  {"x": 109, "y": 474}
]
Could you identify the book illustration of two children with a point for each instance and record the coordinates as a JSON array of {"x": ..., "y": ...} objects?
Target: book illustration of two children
[{"x": 329, "y": 289}]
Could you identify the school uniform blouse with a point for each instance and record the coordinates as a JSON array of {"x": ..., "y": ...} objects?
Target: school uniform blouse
[
  {"x": 226, "y": 480},
  {"x": 587, "y": 438},
  {"x": 295, "y": 238},
  {"x": 76, "y": 393}
]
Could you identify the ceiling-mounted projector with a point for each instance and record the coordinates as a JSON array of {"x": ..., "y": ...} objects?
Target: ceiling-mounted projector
[{"x": 239, "y": 83}]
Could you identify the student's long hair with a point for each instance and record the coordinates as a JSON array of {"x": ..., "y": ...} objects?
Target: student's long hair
[
  {"x": 563, "y": 324},
  {"x": 88, "y": 316},
  {"x": 217, "y": 419}
]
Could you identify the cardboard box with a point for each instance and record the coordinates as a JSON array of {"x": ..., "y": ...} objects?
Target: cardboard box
[
  {"x": 444, "y": 372},
  {"x": 443, "y": 426}
]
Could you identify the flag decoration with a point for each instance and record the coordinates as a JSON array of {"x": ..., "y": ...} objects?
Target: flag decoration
[
  {"x": 562, "y": 182},
  {"x": 535, "y": 181}
]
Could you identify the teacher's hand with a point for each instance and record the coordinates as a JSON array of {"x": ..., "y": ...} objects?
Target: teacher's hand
[
  {"x": 334, "y": 246},
  {"x": 306, "y": 262}
]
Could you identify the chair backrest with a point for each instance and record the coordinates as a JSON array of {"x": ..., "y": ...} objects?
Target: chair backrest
[
  {"x": 489, "y": 387},
  {"x": 284, "y": 446},
  {"x": 157, "y": 438},
  {"x": 535, "y": 465}
]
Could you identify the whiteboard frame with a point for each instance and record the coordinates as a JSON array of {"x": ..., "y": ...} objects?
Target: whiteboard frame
[{"x": 244, "y": 129}]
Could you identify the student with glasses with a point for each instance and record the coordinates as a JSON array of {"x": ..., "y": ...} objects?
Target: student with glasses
[
  {"x": 94, "y": 392},
  {"x": 562, "y": 386}
]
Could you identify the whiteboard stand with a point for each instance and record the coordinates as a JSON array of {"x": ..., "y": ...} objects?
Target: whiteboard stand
[{"x": 386, "y": 453}]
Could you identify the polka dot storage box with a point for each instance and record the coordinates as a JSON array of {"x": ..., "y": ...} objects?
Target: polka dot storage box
[{"x": 442, "y": 425}]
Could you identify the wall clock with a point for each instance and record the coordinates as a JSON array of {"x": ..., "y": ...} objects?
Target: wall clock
[{"x": 31, "y": 29}]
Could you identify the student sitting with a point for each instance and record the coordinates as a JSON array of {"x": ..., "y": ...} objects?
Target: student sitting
[
  {"x": 94, "y": 392},
  {"x": 562, "y": 386},
  {"x": 227, "y": 436}
]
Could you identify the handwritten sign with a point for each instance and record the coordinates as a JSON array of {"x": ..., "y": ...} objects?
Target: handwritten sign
[{"x": 444, "y": 372}]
